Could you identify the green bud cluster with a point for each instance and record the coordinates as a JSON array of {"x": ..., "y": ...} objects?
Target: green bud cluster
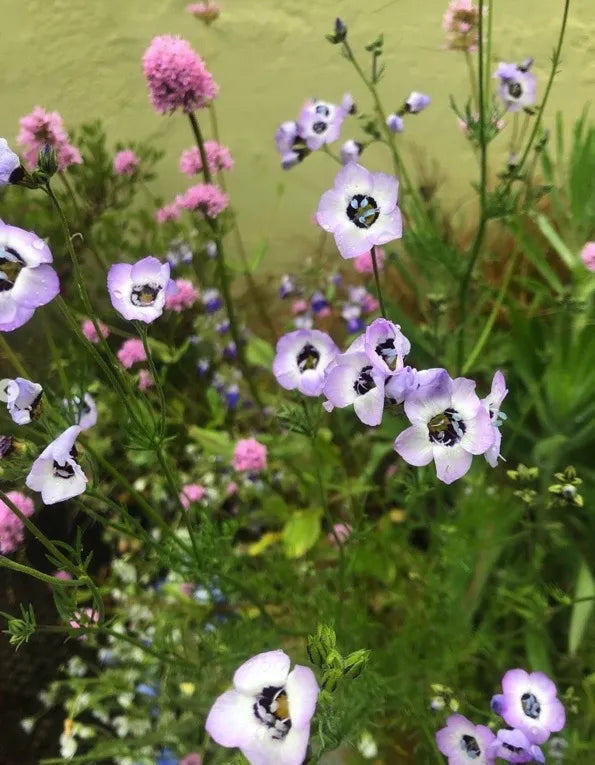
[{"x": 323, "y": 653}]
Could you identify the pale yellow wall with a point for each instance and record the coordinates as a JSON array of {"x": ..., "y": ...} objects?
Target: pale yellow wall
[{"x": 82, "y": 58}]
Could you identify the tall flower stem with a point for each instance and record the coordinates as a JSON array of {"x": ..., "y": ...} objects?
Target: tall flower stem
[
  {"x": 260, "y": 304},
  {"x": 53, "y": 580},
  {"x": 472, "y": 78},
  {"x": 222, "y": 269},
  {"x": 377, "y": 280},
  {"x": 327, "y": 513},
  {"x": 12, "y": 357},
  {"x": 483, "y": 181},
  {"x": 70, "y": 191},
  {"x": 142, "y": 330}
]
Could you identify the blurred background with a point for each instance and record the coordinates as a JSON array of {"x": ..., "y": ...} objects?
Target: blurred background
[{"x": 83, "y": 59}]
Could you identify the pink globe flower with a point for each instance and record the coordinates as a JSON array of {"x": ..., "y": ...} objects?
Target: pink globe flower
[
  {"x": 588, "y": 255},
  {"x": 192, "y": 492},
  {"x": 145, "y": 380},
  {"x": 177, "y": 76},
  {"x": 299, "y": 306},
  {"x": 126, "y": 162},
  {"x": 168, "y": 213},
  {"x": 63, "y": 575},
  {"x": 90, "y": 332},
  {"x": 461, "y": 24},
  {"x": 342, "y": 532},
  {"x": 41, "y": 128},
  {"x": 12, "y": 529},
  {"x": 363, "y": 263},
  {"x": 131, "y": 352},
  {"x": 207, "y": 11},
  {"x": 84, "y": 619},
  {"x": 218, "y": 158},
  {"x": 185, "y": 297},
  {"x": 68, "y": 155},
  {"x": 249, "y": 456},
  {"x": 204, "y": 197}
]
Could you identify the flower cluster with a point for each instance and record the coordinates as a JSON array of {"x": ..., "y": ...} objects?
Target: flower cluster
[
  {"x": 126, "y": 162},
  {"x": 461, "y": 24},
  {"x": 204, "y": 197},
  {"x": 415, "y": 103},
  {"x": 529, "y": 705},
  {"x": 207, "y": 11},
  {"x": 12, "y": 530},
  {"x": 218, "y": 158},
  {"x": 177, "y": 76},
  {"x": 185, "y": 296},
  {"x": 40, "y": 129},
  {"x": 319, "y": 123}
]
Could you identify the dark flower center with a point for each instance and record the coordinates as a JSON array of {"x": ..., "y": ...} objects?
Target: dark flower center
[
  {"x": 11, "y": 264},
  {"x": 363, "y": 211},
  {"x": 364, "y": 382},
  {"x": 323, "y": 110},
  {"x": 63, "y": 471},
  {"x": 515, "y": 89},
  {"x": 470, "y": 746},
  {"x": 386, "y": 350},
  {"x": 319, "y": 127},
  {"x": 308, "y": 358},
  {"x": 272, "y": 708},
  {"x": 531, "y": 706},
  {"x": 446, "y": 428},
  {"x": 514, "y": 749},
  {"x": 144, "y": 295}
]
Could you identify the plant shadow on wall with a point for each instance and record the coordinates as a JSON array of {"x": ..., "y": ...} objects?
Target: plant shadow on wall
[{"x": 343, "y": 546}]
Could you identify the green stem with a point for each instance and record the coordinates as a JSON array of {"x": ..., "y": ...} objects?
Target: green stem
[
  {"x": 14, "y": 566},
  {"x": 488, "y": 55},
  {"x": 472, "y": 78},
  {"x": 377, "y": 280},
  {"x": 479, "y": 235},
  {"x": 142, "y": 331},
  {"x": 12, "y": 357},
  {"x": 331, "y": 154},
  {"x": 222, "y": 269}
]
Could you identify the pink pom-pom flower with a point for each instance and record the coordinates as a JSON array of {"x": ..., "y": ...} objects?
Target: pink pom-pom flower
[
  {"x": 249, "y": 456},
  {"x": 126, "y": 162}
]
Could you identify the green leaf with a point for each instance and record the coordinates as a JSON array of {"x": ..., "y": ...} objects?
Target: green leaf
[
  {"x": 212, "y": 441},
  {"x": 301, "y": 532},
  {"x": 546, "y": 228},
  {"x": 217, "y": 408},
  {"x": 537, "y": 651},
  {"x": 581, "y": 612},
  {"x": 166, "y": 354},
  {"x": 260, "y": 353}
]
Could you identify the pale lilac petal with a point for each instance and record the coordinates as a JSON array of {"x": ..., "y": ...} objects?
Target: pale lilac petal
[
  {"x": 8, "y": 309},
  {"x": 370, "y": 406},
  {"x": 353, "y": 241},
  {"x": 414, "y": 446},
  {"x": 385, "y": 191},
  {"x": 331, "y": 210},
  {"x": 228, "y": 718},
  {"x": 289, "y": 751},
  {"x": 479, "y": 433},
  {"x": 388, "y": 227},
  {"x": 302, "y": 693},
  {"x": 262, "y": 670},
  {"x": 544, "y": 685},
  {"x": 493, "y": 453},
  {"x": 464, "y": 397},
  {"x": 354, "y": 179},
  {"x": 515, "y": 682},
  {"x": 36, "y": 286},
  {"x": 148, "y": 270},
  {"x": 452, "y": 462},
  {"x": 428, "y": 401}
]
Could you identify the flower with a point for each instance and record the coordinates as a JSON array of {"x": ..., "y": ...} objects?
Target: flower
[
  {"x": 588, "y": 255},
  {"x": 352, "y": 379},
  {"x": 463, "y": 742},
  {"x": 319, "y": 122},
  {"x": 514, "y": 746},
  {"x": 145, "y": 380},
  {"x": 211, "y": 299},
  {"x": 417, "y": 102},
  {"x": 191, "y": 759},
  {"x": 56, "y": 473},
  {"x": 85, "y": 618},
  {"x": 492, "y": 403},
  {"x": 27, "y": 281},
  {"x": 363, "y": 263},
  {"x": 518, "y": 86},
  {"x": 218, "y": 158},
  {"x": 301, "y": 360},
  {"x": 89, "y": 331},
  {"x": 395, "y": 123},
  {"x": 461, "y": 24},
  {"x": 23, "y": 399},
  {"x": 529, "y": 703},
  {"x": 40, "y": 129},
  {"x": 386, "y": 346},
  {"x": 449, "y": 426},
  {"x": 9, "y": 164},
  {"x": 361, "y": 210},
  {"x": 267, "y": 714},
  {"x": 352, "y": 313},
  {"x": 85, "y": 411},
  {"x": 185, "y": 297},
  {"x": 168, "y": 213},
  {"x": 63, "y": 575},
  {"x": 177, "y": 76},
  {"x": 249, "y": 456},
  {"x": 139, "y": 291},
  {"x": 12, "y": 529},
  {"x": 131, "y": 351},
  {"x": 192, "y": 492},
  {"x": 207, "y": 12},
  {"x": 341, "y": 531},
  {"x": 205, "y": 197},
  {"x": 350, "y": 151},
  {"x": 126, "y": 162}
]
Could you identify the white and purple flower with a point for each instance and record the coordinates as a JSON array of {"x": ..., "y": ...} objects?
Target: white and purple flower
[
  {"x": 518, "y": 86},
  {"x": 10, "y": 164},
  {"x": 353, "y": 379},
  {"x": 462, "y": 742},
  {"x": 27, "y": 281},
  {"x": 139, "y": 291},
  {"x": 514, "y": 746},
  {"x": 529, "y": 702},
  {"x": 493, "y": 403},
  {"x": 350, "y": 151},
  {"x": 56, "y": 473},
  {"x": 416, "y": 102},
  {"x": 301, "y": 360},
  {"x": 22, "y": 398},
  {"x": 449, "y": 426},
  {"x": 386, "y": 346},
  {"x": 361, "y": 210},
  {"x": 320, "y": 122},
  {"x": 84, "y": 411},
  {"x": 267, "y": 714}
]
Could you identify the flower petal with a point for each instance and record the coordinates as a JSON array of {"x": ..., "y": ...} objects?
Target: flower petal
[
  {"x": 302, "y": 694},
  {"x": 479, "y": 433},
  {"x": 385, "y": 191},
  {"x": 228, "y": 718},
  {"x": 262, "y": 670},
  {"x": 353, "y": 179},
  {"x": 414, "y": 446},
  {"x": 331, "y": 211},
  {"x": 36, "y": 286},
  {"x": 452, "y": 462},
  {"x": 429, "y": 400},
  {"x": 388, "y": 227},
  {"x": 370, "y": 406}
]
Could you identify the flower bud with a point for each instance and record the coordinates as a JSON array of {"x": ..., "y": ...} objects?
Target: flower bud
[
  {"x": 327, "y": 637},
  {"x": 330, "y": 680},
  {"x": 355, "y": 663},
  {"x": 314, "y": 652},
  {"x": 339, "y": 32},
  {"x": 47, "y": 162}
]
